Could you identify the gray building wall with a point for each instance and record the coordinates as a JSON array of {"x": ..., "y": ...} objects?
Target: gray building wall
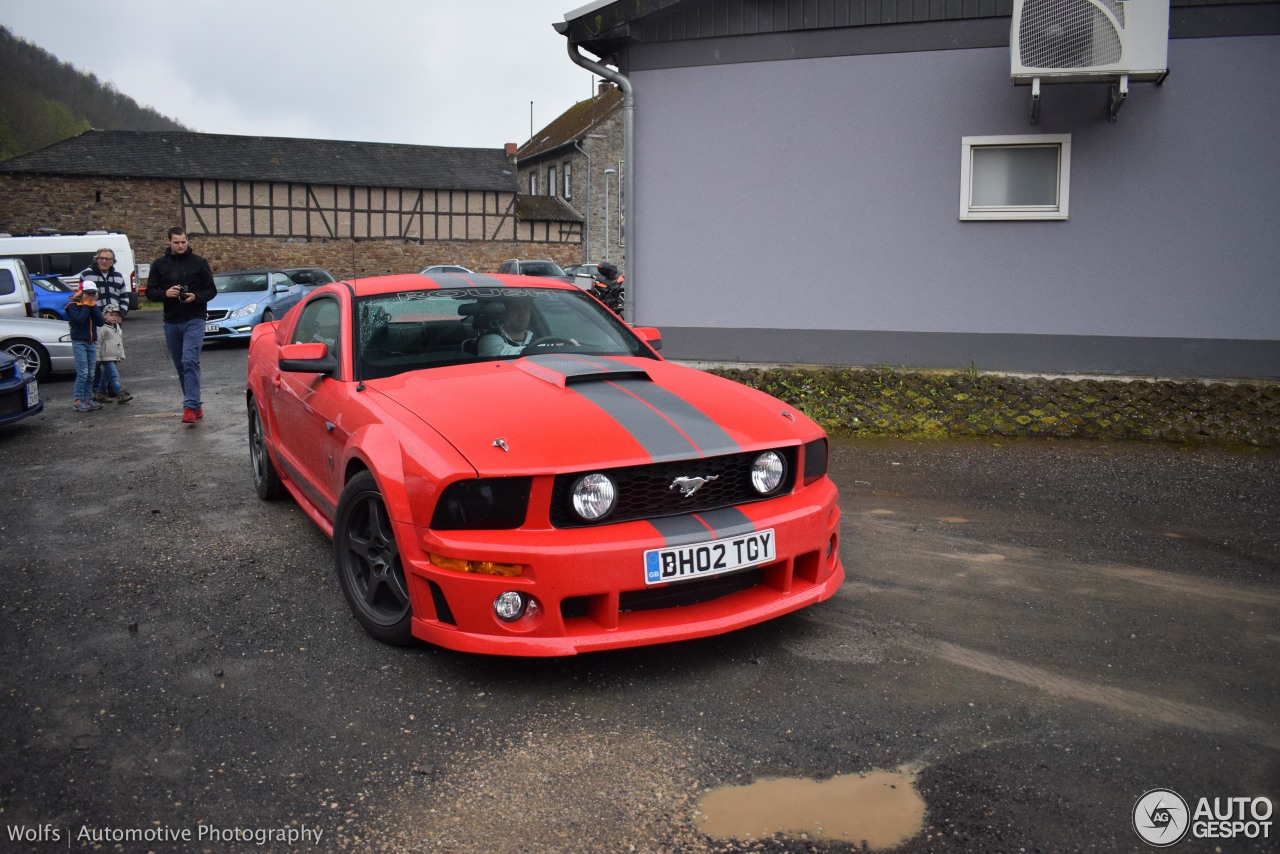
[{"x": 806, "y": 211}]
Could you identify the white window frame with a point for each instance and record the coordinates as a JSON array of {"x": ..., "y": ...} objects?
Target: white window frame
[
  {"x": 567, "y": 171},
  {"x": 533, "y": 183},
  {"x": 969, "y": 211},
  {"x": 551, "y": 180}
]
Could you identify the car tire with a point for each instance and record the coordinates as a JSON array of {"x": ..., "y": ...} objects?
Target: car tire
[
  {"x": 266, "y": 480},
  {"x": 49, "y": 314},
  {"x": 31, "y": 352},
  {"x": 368, "y": 563}
]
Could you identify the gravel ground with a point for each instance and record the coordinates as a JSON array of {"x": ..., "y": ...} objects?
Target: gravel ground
[{"x": 1040, "y": 631}]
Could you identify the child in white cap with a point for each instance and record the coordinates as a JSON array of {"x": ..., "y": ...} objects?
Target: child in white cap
[{"x": 85, "y": 318}]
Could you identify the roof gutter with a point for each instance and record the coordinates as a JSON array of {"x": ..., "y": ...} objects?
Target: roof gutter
[{"x": 628, "y": 159}]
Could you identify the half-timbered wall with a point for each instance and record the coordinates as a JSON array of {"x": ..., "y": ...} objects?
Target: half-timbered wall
[{"x": 289, "y": 210}]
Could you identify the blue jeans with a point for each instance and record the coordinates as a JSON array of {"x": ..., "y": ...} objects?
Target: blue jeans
[
  {"x": 108, "y": 379},
  {"x": 185, "y": 340},
  {"x": 86, "y": 354}
]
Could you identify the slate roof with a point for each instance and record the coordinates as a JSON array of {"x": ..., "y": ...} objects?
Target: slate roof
[
  {"x": 573, "y": 124},
  {"x": 165, "y": 154},
  {"x": 545, "y": 208}
]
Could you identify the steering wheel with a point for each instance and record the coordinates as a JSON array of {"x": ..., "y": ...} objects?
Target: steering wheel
[{"x": 546, "y": 341}]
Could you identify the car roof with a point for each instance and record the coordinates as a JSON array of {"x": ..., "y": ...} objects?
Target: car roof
[
  {"x": 415, "y": 282},
  {"x": 251, "y": 271}
]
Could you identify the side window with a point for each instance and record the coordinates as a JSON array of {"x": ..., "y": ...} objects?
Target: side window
[
  {"x": 321, "y": 320},
  {"x": 7, "y": 285},
  {"x": 533, "y": 183},
  {"x": 551, "y": 180},
  {"x": 280, "y": 280},
  {"x": 1015, "y": 177},
  {"x": 568, "y": 180}
]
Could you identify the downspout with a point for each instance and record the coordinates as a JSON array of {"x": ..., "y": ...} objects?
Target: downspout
[
  {"x": 586, "y": 220},
  {"x": 629, "y": 162}
]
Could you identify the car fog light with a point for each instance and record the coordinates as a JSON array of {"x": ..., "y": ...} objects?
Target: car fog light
[
  {"x": 766, "y": 472},
  {"x": 510, "y": 606},
  {"x": 594, "y": 496}
]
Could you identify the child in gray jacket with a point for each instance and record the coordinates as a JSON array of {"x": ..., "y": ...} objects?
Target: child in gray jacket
[{"x": 110, "y": 354}]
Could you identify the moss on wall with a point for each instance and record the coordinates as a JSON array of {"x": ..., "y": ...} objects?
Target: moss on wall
[{"x": 887, "y": 402}]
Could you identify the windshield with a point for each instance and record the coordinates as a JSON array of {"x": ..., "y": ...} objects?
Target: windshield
[
  {"x": 422, "y": 329},
  {"x": 239, "y": 283}
]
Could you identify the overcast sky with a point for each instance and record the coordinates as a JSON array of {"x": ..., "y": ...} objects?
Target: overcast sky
[{"x": 423, "y": 72}]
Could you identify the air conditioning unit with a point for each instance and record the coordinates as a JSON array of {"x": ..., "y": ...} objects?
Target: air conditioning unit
[{"x": 1064, "y": 41}]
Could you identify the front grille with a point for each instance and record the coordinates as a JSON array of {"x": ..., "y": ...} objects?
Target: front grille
[
  {"x": 646, "y": 492},
  {"x": 216, "y": 314},
  {"x": 672, "y": 595}
]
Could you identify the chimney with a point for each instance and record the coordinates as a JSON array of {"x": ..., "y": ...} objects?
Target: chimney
[
  {"x": 510, "y": 149},
  {"x": 602, "y": 88}
]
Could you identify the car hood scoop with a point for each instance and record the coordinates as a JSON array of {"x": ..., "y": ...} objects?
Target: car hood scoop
[{"x": 566, "y": 370}]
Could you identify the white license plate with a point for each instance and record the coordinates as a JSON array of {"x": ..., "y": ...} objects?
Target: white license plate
[
  {"x": 33, "y": 395},
  {"x": 714, "y": 557},
  {"x": 211, "y": 327}
]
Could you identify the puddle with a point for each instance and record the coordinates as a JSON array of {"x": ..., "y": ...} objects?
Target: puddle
[{"x": 880, "y": 808}]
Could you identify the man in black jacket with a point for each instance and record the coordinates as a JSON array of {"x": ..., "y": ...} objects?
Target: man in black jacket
[{"x": 184, "y": 281}]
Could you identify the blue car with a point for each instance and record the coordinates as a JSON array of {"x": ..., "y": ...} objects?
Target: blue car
[
  {"x": 249, "y": 297},
  {"x": 19, "y": 391},
  {"x": 52, "y": 296}
]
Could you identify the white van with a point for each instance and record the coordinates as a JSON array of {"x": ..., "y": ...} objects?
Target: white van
[
  {"x": 65, "y": 254},
  {"x": 17, "y": 297}
]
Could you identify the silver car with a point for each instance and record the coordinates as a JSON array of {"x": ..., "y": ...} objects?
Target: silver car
[{"x": 44, "y": 345}]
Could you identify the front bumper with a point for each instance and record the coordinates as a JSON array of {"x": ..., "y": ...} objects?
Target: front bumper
[{"x": 589, "y": 583}]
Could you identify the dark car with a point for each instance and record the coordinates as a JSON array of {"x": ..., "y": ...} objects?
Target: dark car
[
  {"x": 19, "y": 391},
  {"x": 310, "y": 276},
  {"x": 537, "y": 267}
]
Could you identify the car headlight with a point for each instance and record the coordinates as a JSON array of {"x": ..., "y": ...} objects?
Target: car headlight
[
  {"x": 489, "y": 503},
  {"x": 594, "y": 496},
  {"x": 243, "y": 311},
  {"x": 815, "y": 460},
  {"x": 767, "y": 471}
]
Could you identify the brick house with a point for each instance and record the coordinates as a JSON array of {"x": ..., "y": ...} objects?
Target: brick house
[
  {"x": 568, "y": 172},
  {"x": 357, "y": 208}
]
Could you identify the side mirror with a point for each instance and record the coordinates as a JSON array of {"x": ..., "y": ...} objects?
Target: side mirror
[
  {"x": 310, "y": 357},
  {"x": 651, "y": 335}
]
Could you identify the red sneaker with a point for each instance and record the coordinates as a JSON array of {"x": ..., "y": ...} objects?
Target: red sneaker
[
  {"x": 188, "y": 416},
  {"x": 199, "y": 412}
]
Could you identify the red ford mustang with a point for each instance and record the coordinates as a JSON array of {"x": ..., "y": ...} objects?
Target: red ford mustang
[{"x": 506, "y": 467}]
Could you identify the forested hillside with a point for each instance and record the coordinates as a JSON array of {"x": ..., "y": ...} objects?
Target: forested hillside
[{"x": 43, "y": 100}]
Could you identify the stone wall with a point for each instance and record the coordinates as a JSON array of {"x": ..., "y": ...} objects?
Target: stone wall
[
  {"x": 145, "y": 209},
  {"x": 884, "y": 402}
]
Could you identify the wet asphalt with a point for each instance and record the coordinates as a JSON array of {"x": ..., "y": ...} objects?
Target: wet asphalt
[{"x": 1035, "y": 633}]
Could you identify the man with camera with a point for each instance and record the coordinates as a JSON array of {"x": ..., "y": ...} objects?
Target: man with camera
[{"x": 183, "y": 280}]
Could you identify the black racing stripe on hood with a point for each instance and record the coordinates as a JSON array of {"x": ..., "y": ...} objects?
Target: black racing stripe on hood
[
  {"x": 698, "y": 527},
  {"x": 661, "y": 440},
  {"x": 709, "y": 437}
]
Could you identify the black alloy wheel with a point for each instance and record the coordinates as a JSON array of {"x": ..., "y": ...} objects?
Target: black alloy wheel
[
  {"x": 368, "y": 562},
  {"x": 265, "y": 478}
]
